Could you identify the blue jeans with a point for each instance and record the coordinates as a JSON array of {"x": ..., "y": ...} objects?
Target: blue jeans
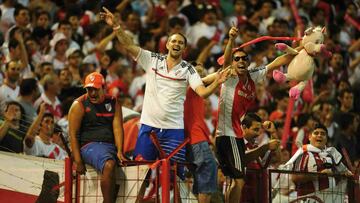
[{"x": 205, "y": 173}]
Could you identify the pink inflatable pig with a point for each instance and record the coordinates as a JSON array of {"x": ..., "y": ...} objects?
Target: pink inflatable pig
[{"x": 301, "y": 67}]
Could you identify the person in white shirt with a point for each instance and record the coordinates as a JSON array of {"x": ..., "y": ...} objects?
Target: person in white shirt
[
  {"x": 41, "y": 144},
  {"x": 9, "y": 90},
  {"x": 315, "y": 158},
  {"x": 167, "y": 78}
]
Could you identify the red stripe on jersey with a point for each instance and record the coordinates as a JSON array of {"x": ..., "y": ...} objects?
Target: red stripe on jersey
[
  {"x": 243, "y": 96},
  {"x": 323, "y": 180},
  {"x": 161, "y": 75},
  {"x": 104, "y": 114}
]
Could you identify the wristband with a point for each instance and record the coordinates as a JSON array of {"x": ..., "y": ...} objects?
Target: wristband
[{"x": 116, "y": 28}]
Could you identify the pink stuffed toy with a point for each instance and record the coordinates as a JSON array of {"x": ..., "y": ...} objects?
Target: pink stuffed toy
[{"x": 302, "y": 66}]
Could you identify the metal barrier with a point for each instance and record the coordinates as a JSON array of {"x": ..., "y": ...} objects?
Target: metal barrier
[{"x": 131, "y": 181}]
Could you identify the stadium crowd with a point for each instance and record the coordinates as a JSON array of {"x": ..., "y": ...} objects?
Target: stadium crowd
[{"x": 49, "y": 47}]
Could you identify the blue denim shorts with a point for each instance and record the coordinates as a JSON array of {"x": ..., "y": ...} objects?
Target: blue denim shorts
[
  {"x": 97, "y": 153},
  {"x": 205, "y": 173},
  {"x": 168, "y": 139}
]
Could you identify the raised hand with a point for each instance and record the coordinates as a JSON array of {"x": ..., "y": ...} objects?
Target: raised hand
[
  {"x": 107, "y": 16},
  {"x": 274, "y": 144},
  {"x": 233, "y": 33},
  {"x": 19, "y": 36},
  {"x": 269, "y": 126},
  {"x": 223, "y": 75},
  {"x": 42, "y": 107}
]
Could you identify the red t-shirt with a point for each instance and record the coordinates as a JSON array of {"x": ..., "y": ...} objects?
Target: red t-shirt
[{"x": 194, "y": 118}]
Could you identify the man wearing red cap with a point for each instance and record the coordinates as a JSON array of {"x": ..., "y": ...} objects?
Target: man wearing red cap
[{"x": 96, "y": 132}]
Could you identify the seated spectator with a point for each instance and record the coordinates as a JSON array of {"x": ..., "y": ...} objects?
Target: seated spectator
[
  {"x": 12, "y": 129},
  {"x": 41, "y": 144},
  {"x": 315, "y": 157}
]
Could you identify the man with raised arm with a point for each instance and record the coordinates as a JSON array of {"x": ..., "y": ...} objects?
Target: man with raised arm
[
  {"x": 237, "y": 93},
  {"x": 166, "y": 81}
]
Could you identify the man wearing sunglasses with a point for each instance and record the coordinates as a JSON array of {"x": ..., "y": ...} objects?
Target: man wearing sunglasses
[
  {"x": 168, "y": 77},
  {"x": 237, "y": 94}
]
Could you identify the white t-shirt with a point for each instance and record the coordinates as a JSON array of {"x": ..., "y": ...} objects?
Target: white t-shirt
[
  {"x": 136, "y": 85},
  {"x": 7, "y": 94},
  {"x": 200, "y": 30},
  {"x": 7, "y": 18},
  {"x": 51, "y": 150},
  {"x": 165, "y": 91}
]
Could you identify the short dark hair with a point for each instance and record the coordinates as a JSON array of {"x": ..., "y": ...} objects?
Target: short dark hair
[
  {"x": 13, "y": 43},
  {"x": 42, "y": 12},
  {"x": 18, "y": 8},
  {"x": 27, "y": 86},
  {"x": 347, "y": 119},
  {"x": 64, "y": 22},
  {"x": 249, "y": 118},
  {"x": 12, "y": 102},
  {"x": 8, "y": 63},
  {"x": 240, "y": 50},
  {"x": 47, "y": 114},
  {"x": 174, "y": 21},
  {"x": 13, "y": 31},
  {"x": 182, "y": 35},
  {"x": 320, "y": 126},
  {"x": 342, "y": 92},
  {"x": 303, "y": 119},
  {"x": 144, "y": 38},
  {"x": 40, "y": 32},
  {"x": 113, "y": 55}
]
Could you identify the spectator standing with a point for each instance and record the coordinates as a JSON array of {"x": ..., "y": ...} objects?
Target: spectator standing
[
  {"x": 237, "y": 93},
  {"x": 200, "y": 153},
  {"x": 166, "y": 83}
]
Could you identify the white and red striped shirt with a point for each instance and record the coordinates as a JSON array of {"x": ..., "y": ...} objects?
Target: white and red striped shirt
[
  {"x": 39, "y": 148},
  {"x": 312, "y": 159},
  {"x": 234, "y": 101}
]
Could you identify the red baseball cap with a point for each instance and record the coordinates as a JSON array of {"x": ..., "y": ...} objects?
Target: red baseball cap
[{"x": 95, "y": 80}]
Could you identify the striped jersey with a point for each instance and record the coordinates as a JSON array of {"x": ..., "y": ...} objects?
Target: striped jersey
[{"x": 235, "y": 99}]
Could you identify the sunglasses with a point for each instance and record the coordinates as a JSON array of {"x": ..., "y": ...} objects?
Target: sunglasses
[{"x": 237, "y": 58}]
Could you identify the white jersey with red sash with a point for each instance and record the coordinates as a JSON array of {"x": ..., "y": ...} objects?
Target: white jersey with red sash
[
  {"x": 235, "y": 98},
  {"x": 312, "y": 159}
]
